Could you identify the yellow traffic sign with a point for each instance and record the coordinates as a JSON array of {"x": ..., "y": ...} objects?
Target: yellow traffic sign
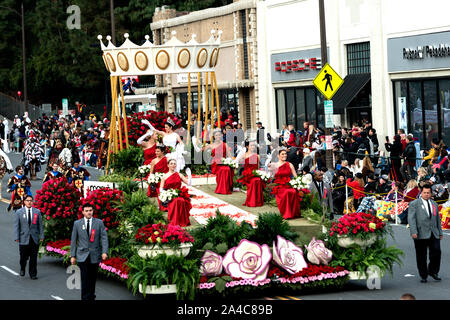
[{"x": 328, "y": 81}]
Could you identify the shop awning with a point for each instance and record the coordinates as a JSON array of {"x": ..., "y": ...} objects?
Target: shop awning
[{"x": 353, "y": 83}]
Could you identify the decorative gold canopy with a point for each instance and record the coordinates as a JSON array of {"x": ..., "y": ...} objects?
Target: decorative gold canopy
[{"x": 172, "y": 57}]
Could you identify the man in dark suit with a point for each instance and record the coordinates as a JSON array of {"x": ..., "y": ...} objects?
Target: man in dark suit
[
  {"x": 323, "y": 191},
  {"x": 28, "y": 231},
  {"x": 89, "y": 245},
  {"x": 426, "y": 230}
]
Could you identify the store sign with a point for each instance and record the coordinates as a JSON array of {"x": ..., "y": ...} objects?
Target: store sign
[
  {"x": 298, "y": 65},
  {"x": 420, "y": 52},
  {"x": 443, "y": 50},
  {"x": 295, "y": 65}
]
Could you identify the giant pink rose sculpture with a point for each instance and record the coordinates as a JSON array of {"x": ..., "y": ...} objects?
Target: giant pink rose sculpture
[
  {"x": 248, "y": 260},
  {"x": 211, "y": 264},
  {"x": 288, "y": 256},
  {"x": 317, "y": 253}
]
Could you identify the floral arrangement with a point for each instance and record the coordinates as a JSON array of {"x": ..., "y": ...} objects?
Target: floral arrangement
[
  {"x": 317, "y": 253},
  {"x": 116, "y": 266},
  {"x": 357, "y": 225},
  {"x": 161, "y": 234},
  {"x": 57, "y": 199},
  {"x": 145, "y": 169},
  {"x": 229, "y": 162},
  {"x": 158, "y": 119},
  {"x": 288, "y": 256},
  {"x": 265, "y": 176},
  {"x": 249, "y": 260},
  {"x": 309, "y": 274},
  {"x": 58, "y": 247},
  {"x": 211, "y": 264},
  {"x": 58, "y": 202},
  {"x": 102, "y": 202}
]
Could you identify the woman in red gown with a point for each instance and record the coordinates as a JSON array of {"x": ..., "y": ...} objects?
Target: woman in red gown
[
  {"x": 178, "y": 208},
  {"x": 255, "y": 186},
  {"x": 159, "y": 164},
  {"x": 224, "y": 174},
  {"x": 288, "y": 200},
  {"x": 149, "y": 146}
]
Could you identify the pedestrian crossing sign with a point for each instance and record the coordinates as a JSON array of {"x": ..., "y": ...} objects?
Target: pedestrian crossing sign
[{"x": 328, "y": 81}]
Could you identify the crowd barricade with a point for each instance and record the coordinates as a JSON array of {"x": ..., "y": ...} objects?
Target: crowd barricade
[{"x": 398, "y": 207}]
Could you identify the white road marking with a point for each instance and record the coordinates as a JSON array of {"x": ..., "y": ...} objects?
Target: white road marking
[
  {"x": 10, "y": 271},
  {"x": 409, "y": 275},
  {"x": 57, "y": 298}
]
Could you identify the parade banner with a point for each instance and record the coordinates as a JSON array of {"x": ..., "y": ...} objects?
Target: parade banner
[{"x": 94, "y": 185}]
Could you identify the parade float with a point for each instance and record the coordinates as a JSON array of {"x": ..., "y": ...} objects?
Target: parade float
[{"x": 229, "y": 253}]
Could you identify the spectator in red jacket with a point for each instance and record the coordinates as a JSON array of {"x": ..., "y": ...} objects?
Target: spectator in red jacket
[{"x": 357, "y": 186}]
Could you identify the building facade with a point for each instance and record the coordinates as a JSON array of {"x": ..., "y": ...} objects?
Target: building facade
[
  {"x": 237, "y": 69},
  {"x": 393, "y": 56}
]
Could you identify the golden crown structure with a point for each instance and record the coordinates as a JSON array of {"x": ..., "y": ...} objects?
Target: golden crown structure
[{"x": 174, "y": 56}]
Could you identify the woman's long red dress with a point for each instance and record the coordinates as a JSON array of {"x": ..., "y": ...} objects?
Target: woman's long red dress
[
  {"x": 178, "y": 208},
  {"x": 288, "y": 200},
  {"x": 160, "y": 166},
  {"x": 255, "y": 186},
  {"x": 149, "y": 154},
  {"x": 224, "y": 174}
]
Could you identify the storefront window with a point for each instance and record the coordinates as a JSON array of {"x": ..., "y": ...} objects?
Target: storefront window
[
  {"x": 311, "y": 106},
  {"x": 281, "y": 108},
  {"x": 414, "y": 107},
  {"x": 444, "y": 96},
  {"x": 320, "y": 111},
  {"x": 431, "y": 111},
  {"x": 300, "y": 104},
  {"x": 427, "y": 104},
  {"x": 290, "y": 103}
]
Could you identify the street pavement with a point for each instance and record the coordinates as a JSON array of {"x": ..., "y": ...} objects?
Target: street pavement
[{"x": 52, "y": 277}]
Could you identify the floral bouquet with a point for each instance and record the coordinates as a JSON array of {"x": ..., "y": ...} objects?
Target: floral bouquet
[
  {"x": 357, "y": 225},
  {"x": 229, "y": 162},
  {"x": 116, "y": 266},
  {"x": 153, "y": 180},
  {"x": 298, "y": 183},
  {"x": 144, "y": 170},
  {"x": 265, "y": 176},
  {"x": 165, "y": 196},
  {"x": 104, "y": 209},
  {"x": 161, "y": 234}
]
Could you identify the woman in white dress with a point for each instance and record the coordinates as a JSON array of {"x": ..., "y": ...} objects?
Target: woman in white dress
[{"x": 173, "y": 140}]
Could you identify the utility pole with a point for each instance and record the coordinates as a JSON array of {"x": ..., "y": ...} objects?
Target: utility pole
[
  {"x": 113, "y": 27},
  {"x": 324, "y": 57},
  {"x": 25, "y": 90}
]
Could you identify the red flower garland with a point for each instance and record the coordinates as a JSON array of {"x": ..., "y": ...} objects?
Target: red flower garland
[{"x": 101, "y": 200}]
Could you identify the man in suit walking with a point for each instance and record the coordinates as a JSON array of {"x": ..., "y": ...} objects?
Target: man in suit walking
[
  {"x": 28, "y": 231},
  {"x": 322, "y": 190},
  {"x": 89, "y": 245},
  {"x": 426, "y": 230}
]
